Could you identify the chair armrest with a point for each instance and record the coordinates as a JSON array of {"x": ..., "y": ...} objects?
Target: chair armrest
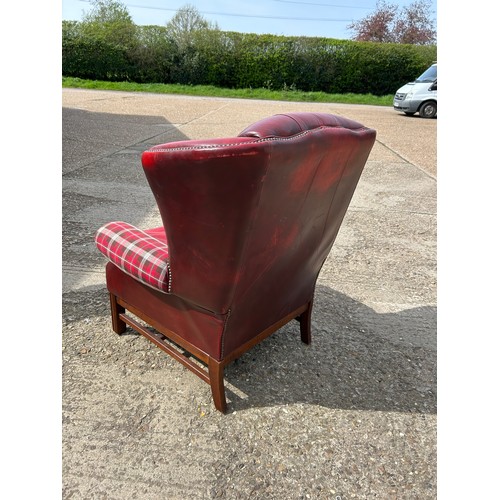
[{"x": 136, "y": 253}]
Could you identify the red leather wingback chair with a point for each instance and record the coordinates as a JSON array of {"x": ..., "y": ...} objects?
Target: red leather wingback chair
[{"x": 247, "y": 223}]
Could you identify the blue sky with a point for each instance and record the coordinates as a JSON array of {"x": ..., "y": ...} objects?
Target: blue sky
[{"x": 328, "y": 18}]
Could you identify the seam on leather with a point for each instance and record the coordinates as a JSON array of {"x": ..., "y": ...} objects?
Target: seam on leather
[
  {"x": 215, "y": 146},
  {"x": 224, "y": 333},
  {"x": 258, "y": 141}
]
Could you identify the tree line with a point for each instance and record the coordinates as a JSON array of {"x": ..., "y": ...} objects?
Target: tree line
[{"x": 107, "y": 45}]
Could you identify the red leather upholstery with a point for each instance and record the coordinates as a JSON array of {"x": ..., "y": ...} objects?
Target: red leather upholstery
[
  {"x": 292, "y": 124},
  {"x": 249, "y": 222}
]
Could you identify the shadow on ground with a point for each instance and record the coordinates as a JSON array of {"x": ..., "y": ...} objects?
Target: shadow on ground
[
  {"x": 103, "y": 180},
  {"x": 358, "y": 360}
]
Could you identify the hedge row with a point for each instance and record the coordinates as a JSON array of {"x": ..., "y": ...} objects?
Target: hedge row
[{"x": 238, "y": 60}]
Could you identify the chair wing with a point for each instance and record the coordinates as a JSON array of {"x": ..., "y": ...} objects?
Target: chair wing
[{"x": 208, "y": 195}]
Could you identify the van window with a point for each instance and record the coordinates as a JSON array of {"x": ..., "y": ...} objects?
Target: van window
[{"x": 429, "y": 75}]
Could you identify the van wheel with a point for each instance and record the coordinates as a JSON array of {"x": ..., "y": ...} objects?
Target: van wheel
[{"x": 428, "y": 109}]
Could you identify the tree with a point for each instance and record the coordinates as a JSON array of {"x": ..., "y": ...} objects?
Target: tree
[
  {"x": 186, "y": 24},
  {"x": 195, "y": 39},
  {"x": 107, "y": 11},
  {"x": 111, "y": 21},
  {"x": 413, "y": 25}
]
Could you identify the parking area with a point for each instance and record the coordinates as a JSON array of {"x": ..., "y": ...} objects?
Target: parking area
[{"x": 351, "y": 416}]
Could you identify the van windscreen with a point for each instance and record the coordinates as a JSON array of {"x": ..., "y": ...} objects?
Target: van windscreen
[{"x": 429, "y": 75}]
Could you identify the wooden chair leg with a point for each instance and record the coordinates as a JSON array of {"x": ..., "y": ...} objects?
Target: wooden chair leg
[
  {"x": 118, "y": 324},
  {"x": 305, "y": 324},
  {"x": 216, "y": 374}
]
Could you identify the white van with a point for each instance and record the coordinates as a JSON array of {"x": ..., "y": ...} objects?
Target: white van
[{"x": 419, "y": 96}]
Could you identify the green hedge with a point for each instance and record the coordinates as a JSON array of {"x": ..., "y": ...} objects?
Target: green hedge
[{"x": 238, "y": 60}]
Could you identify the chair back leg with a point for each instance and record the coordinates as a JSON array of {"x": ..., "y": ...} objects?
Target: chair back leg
[
  {"x": 216, "y": 374},
  {"x": 305, "y": 324}
]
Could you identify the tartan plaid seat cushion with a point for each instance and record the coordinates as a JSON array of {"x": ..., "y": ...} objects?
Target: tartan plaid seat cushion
[{"x": 141, "y": 254}]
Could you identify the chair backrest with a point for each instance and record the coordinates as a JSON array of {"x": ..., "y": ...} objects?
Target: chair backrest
[{"x": 259, "y": 211}]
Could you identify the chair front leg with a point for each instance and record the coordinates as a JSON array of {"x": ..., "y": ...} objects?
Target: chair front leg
[{"x": 119, "y": 326}]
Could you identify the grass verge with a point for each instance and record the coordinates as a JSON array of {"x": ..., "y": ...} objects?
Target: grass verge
[{"x": 212, "y": 91}]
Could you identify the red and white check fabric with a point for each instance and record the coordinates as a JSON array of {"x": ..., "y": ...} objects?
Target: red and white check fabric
[{"x": 136, "y": 252}]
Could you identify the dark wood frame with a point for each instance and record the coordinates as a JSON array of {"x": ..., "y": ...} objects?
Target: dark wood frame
[{"x": 214, "y": 372}]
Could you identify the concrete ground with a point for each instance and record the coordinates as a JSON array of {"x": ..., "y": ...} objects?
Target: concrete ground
[{"x": 351, "y": 416}]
